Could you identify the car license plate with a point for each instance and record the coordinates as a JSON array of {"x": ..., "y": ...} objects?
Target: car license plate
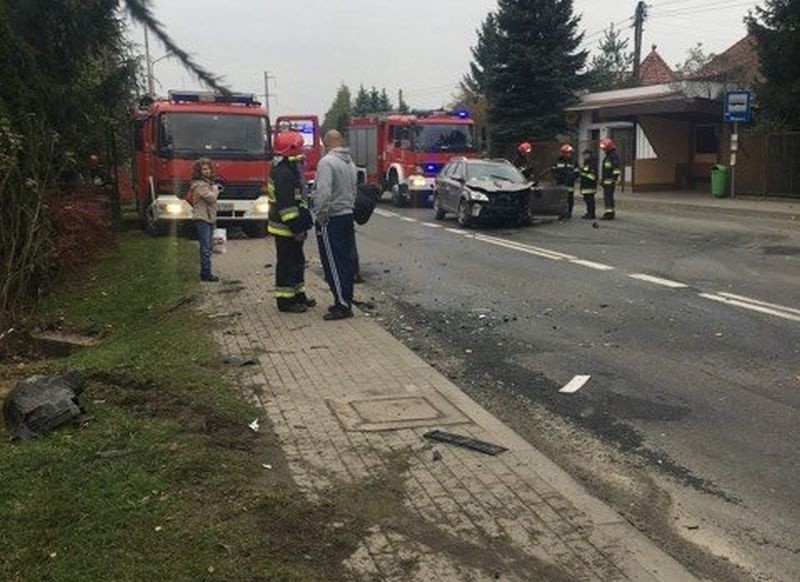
[{"x": 225, "y": 206}]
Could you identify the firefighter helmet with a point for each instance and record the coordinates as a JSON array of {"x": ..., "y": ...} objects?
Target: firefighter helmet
[
  {"x": 525, "y": 147},
  {"x": 607, "y": 144},
  {"x": 567, "y": 150},
  {"x": 288, "y": 144}
]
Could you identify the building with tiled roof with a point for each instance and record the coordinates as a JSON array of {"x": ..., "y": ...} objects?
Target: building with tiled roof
[
  {"x": 654, "y": 70},
  {"x": 738, "y": 65}
]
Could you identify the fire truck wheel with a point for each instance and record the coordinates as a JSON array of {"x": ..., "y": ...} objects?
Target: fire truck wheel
[
  {"x": 149, "y": 223},
  {"x": 464, "y": 217},
  {"x": 255, "y": 229},
  {"x": 437, "y": 209}
]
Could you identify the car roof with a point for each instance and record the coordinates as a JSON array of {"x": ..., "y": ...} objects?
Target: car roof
[{"x": 471, "y": 161}]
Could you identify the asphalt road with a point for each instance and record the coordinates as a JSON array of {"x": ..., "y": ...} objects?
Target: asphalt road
[{"x": 689, "y": 326}]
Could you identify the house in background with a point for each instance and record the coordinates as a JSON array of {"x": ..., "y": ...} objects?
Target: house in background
[{"x": 669, "y": 131}]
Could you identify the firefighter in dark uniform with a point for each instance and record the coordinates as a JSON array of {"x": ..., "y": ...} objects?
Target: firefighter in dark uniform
[
  {"x": 565, "y": 171},
  {"x": 610, "y": 174},
  {"x": 588, "y": 174},
  {"x": 289, "y": 222},
  {"x": 524, "y": 161}
]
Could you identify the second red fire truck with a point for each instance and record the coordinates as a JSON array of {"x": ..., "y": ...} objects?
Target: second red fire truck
[{"x": 402, "y": 154}]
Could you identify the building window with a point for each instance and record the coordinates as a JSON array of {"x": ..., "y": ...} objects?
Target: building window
[{"x": 706, "y": 140}]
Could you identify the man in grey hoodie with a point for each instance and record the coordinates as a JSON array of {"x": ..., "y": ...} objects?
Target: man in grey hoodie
[{"x": 333, "y": 199}]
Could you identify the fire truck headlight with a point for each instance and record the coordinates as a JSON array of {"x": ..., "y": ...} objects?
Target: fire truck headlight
[
  {"x": 417, "y": 181},
  {"x": 261, "y": 208},
  {"x": 174, "y": 208}
]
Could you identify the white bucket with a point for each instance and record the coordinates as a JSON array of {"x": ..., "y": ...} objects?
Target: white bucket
[{"x": 220, "y": 238}]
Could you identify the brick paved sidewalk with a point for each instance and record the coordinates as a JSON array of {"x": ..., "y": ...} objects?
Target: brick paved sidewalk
[{"x": 350, "y": 404}]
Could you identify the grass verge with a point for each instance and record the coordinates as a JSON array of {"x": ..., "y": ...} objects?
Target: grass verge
[{"x": 178, "y": 491}]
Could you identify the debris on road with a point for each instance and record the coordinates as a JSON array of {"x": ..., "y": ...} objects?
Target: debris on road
[
  {"x": 40, "y": 404},
  {"x": 266, "y": 466},
  {"x": 254, "y": 425},
  {"x": 575, "y": 384},
  {"x": 464, "y": 442},
  {"x": 223, "y": 314},
  {"x": 437, "y": 456},
  {"x": 237, "y": 361}
]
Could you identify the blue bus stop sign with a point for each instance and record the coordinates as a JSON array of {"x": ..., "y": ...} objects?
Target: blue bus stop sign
[{"x": 738, "y": 106}]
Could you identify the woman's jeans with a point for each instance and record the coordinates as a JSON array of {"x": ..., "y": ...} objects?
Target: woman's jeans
[{"x": 205, "y": 235}]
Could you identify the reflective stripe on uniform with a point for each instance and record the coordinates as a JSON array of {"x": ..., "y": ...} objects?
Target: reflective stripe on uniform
[
  {"x": 300, "y": 288},
  {"x": 279, "y": 229},
  {"x": 588, "y": 192},
  {"x": 285, "y": 293},
  {"x": 289, "y": 213}
]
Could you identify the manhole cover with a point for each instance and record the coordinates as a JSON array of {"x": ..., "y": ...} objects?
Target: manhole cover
[
  {"x": 395, "y": 412},
  {"x": 782, "y": 251}
]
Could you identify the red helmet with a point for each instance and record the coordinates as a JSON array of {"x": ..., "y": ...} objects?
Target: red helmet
[
  {"x": 525, "y": 147},
  {"x": 607, "y": 144},
  {"x": 288, "y": 144},
  {"x": 567, "y": 150}
]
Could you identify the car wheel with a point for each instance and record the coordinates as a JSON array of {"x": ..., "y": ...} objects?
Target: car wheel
[
  {"x": 153, "y": 226},
  {"x": 439, "y": 212},
  {"x": 464, "y": 217}
]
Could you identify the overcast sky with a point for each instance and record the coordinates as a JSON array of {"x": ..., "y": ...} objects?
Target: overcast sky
[{"x": 421, "y": 46}]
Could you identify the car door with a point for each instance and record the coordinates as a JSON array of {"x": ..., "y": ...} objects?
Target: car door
[
  {"x": 456, "y": 184},
  {"x": 442, "y": 184}
]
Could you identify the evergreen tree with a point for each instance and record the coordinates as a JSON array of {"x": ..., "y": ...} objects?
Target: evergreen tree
[
  {"x": 362, "y": 103},
  {"x": 485, "y": 58},
  {"x": 384, "y": 103},
  {"x": 338, "y": 116},
  {"x": 402, "y": 106},
  {"x": 537, "y": 72},
  {"x": 374, "y": 100},
  {"x": 775, "y": 27},
  {"x": 612, "y": 68}
]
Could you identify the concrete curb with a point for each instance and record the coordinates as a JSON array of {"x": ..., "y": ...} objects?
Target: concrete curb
[{"x": 665, "y": 205}]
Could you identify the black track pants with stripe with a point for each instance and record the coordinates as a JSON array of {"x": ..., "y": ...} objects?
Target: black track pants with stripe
[{"x": 337, "y": 248}]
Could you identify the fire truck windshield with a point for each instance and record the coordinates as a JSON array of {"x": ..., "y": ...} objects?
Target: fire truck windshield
[
  {"x": 193, "y": 134},
  {"x": 444, "y": 138}
]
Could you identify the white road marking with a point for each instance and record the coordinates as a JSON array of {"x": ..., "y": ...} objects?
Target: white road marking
[
  {"x": 456, "y": 231},
  {"x": 408, "y": 219},
  {"x": 516, "y": 247},
  {"x": 762, "y": 303},
  {"x": 575, "y": 384},
  {"x": 385, "y": 213},
  {"x": 528, "y": 248},
  {"x": 658, "y": 281},
  {"x": 592, "y": 265},
  {"x": 751, "y": 306},
  {"x": 431, "y": 225}
]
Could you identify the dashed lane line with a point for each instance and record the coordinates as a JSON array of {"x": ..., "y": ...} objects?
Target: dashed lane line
[
  {"x": 517, "y": 247},
  {"x": 575, "y": 384},
  {"x": 658, "y": 281},
  {"x": 456, "y": 231},
  {"x": 432, "y": 225},
  {"x": 592, "y": 265},
  {"x": 775, "y": 306},
  {"x": 385, "y": 213},
  {"x": 408, "y": 219},
  {"x": 789, "y": 314}
]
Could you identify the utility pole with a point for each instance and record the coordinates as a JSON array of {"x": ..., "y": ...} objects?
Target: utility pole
[
  {"x": 151, "y": 90},
  {"x": 638, "y": 25},
  {"x": 267, "y": 78}
]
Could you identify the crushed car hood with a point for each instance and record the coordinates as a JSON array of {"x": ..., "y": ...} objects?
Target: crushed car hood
[{"x": 497, "y": 186}]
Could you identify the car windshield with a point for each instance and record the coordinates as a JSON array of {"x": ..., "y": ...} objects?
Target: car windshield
[
  {"x": 213, "y": 135},
  {"x": 444, "y": 138},
  {"x": 495, "y": 171}
]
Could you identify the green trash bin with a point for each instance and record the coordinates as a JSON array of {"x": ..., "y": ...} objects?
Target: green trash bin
[{"x": 719, "y": 181}]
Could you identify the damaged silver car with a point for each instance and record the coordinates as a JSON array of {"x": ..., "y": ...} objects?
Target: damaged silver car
[{"x": 492, "y": 191}]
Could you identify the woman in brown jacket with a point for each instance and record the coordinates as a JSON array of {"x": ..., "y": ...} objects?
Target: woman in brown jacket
[{"x": 204, "y": 193}]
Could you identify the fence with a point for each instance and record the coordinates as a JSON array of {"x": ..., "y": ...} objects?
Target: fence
[{"x": 768, "y": 164}]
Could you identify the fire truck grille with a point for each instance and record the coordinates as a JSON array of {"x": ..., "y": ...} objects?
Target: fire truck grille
[{"x": 242, "y": 191}]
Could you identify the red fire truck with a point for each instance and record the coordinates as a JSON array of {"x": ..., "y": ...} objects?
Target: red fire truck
[
  {"x": 308, "y": 125},
  {"x": 170, "y": 134},
  {"x": 403, "y": 153}
]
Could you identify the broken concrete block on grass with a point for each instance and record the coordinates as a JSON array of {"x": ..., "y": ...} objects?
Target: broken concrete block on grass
[{"x": 40, "y": 404}]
